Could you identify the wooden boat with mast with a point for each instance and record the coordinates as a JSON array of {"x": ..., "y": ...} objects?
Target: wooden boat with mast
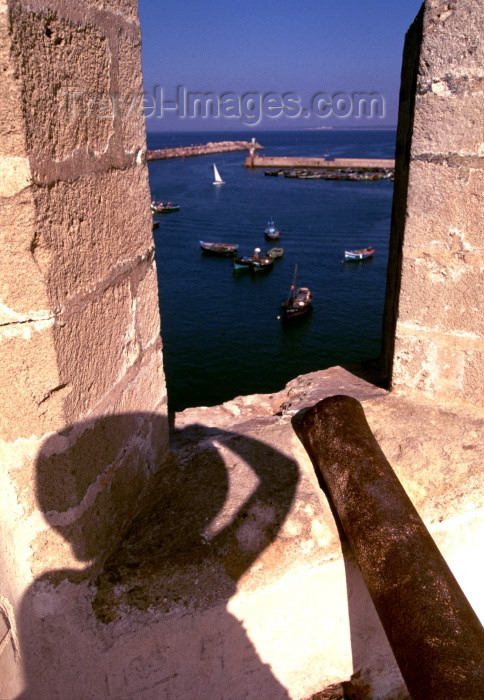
[{"x": 299, "y": 301}]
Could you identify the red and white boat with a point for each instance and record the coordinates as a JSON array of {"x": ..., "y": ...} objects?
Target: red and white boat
[{"x": 360, "y": 254}]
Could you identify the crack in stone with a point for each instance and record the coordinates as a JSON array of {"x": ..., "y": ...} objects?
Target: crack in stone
[
  {"x": 53, "y": 391},
  {"x": 28, "y": 320}
]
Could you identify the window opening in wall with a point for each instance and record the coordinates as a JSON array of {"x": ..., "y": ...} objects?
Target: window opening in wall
[{"x": 319, "y": 83}]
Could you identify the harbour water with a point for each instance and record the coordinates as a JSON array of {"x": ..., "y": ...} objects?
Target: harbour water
[{"x": 221, "y": 333}]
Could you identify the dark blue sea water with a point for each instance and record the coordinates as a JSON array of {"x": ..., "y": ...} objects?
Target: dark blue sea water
[{"x": 220, "y": 330}]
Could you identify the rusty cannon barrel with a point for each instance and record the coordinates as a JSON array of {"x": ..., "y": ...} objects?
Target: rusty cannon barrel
[{"x": 434, "y": 633}]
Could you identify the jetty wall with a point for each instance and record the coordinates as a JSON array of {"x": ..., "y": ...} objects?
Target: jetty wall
[
  {"x": 201, "y": 149},
  {"x": 289, "y": 162},
  {"x": 434, "y": 325}
]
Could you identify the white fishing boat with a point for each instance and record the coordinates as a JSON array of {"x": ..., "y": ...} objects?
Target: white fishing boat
[
  {"x": 361, "y": 254},
  {"x": 217, "y": 180},
  {"x": 271, "y": 231}
]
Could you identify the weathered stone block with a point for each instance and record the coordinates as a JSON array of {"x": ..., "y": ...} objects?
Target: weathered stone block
[
  {"x": 18, "y": 460},
  {"x": 453, "y": 42},
  {"x": 456, "y": 211},
  {"x": 91, "y": 230},
  {"x": 16, "y": 175},
  {"x": 127, "y": 9},
  {"x": 22, "y": 287},
  {"x": 444, "y": 366},
  {"x": 146, "y": 391},
  {"x": 90, "y": 491},
  {"x": 55, "y": 59},
  {"x": 415, "y": 362},
  {"x": 89, "y": 451},
  {"x": 31, "y": 391},
  {"x": 447, "y": 123},
  {"x": 95, "y": 346},
  {"x": 472, "y": 384},
  {"x": 130, "y": 86},
  {"x": 12, "y": 137},
  {"x": 147, "y": 308},
  {"x": 444, "y": 295}
]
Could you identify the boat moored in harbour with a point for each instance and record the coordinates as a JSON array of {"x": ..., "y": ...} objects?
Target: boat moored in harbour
[
  {"x": 256, "y": 262},
  {"x": 360, "y": 254},
  {"x": 242, "y": 262},
  {"x": 300, "y": 300},
  {"x": 275, "y": 253},
  {"x": 163, "y": 208},
  {"x": 260, "y": 261},
  {"x": 221, "y": 249},
  {"x": 271, "y": 231}
]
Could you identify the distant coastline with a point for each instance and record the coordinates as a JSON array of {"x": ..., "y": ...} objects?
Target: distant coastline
[{"x": 249, "y": 132}]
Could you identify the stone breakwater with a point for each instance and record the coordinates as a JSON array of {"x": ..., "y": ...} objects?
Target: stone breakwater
[
  {"x": 201, "y": 149},
  {"x": 318, "y": 163}
]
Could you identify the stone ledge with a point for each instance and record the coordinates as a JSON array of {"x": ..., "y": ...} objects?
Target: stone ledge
[{"x": 234, "y": 579}]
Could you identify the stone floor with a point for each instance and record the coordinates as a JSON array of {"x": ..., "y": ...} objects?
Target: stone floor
[
  {"x": 238, "y": 519},
  {"x": 234, "y": 583}
]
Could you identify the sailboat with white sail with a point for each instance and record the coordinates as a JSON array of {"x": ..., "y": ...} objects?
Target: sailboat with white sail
[{"x": 217, "y": 180}]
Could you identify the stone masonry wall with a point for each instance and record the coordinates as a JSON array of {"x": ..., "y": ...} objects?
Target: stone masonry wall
[
  {"x": 437, "y": 241},
  {"x": 79, "y": 319}
]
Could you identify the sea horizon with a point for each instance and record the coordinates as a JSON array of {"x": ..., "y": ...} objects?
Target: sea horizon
[{"x": 271, "y": 129}]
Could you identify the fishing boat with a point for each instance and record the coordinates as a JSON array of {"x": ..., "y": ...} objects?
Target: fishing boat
[
  {"x": 222, "y": 249},
  {"x": 271, "y": 232},
  {"x": 217, "y": 180},
  {"x": 255, "y": 262},
  {"x": 361, "y": 254},
  {"x": 275, "y": 253},
  {"x": 299, "y": 301},
  {"x": 261, "y": 262},
  {"x": 242, "y": 262},
  {"x": 163, "y": 207}
]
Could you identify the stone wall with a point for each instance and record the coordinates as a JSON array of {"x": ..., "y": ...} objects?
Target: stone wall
[
  {"x": 79, "y": 319},
  {"x": 433, "y": 319}
]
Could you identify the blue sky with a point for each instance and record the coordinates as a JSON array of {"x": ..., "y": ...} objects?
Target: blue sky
[{"x": 308, "y": 48}]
